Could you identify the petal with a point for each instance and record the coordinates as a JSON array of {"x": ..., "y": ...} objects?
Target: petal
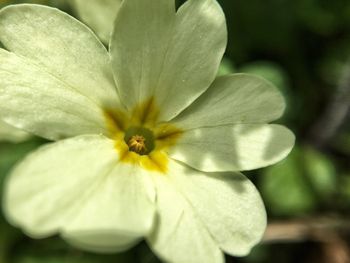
[
  {"x": 34, "y": 100},
  {"x": 12, "y": 134},
  {"x": 77, "y": 187},
  {"x": 233, "y": 99},
  {"x": 179, "y": 235},
  {"x": 170, "y": 57},
  {"x": 99, "y": 15},
  {"x": 123, "y": 203},
  {"x": 60, "y": 45},
  {"x": 101, "y": 242},
  {"x": 233, "y": 148},
  {"x": 228, "y": 204}
]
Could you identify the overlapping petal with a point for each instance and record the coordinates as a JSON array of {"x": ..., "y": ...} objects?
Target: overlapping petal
[
  {"x": 227, "y": 204},
  {"x": 99, "y": 15},
  {"x": 179, "y": 235},
  {"x": 62, "y": 46},
  {"x": 201, "y": 212},
  {"x": 77, "y": 187},
  {"x": 34, "y": 100},
  {"x": 234, "y": 147},
  {"x": 234, "y": 99},
  {"x": 171, "y": 57}
]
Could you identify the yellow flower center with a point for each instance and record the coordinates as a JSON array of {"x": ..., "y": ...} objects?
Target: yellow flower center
[
  {"x": 140, "y": 138},
  {"x": 137, "y": 144}
]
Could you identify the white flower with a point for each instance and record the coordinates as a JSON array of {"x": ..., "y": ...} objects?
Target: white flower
[
  {"x": 151, "y": 143},
  {"x": 98, "y": 14},
  {"x": 9, "y": 133}
]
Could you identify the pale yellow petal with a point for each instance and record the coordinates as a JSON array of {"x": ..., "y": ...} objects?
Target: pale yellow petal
[
  {"x": 78, "y": 188},
  {"x": 170, "y": 57},
  {"x": 234, "y": 147}
]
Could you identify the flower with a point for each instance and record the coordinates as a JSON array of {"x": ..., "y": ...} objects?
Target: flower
[
  {"x": 148, "y": 142},
  {"x": 9, "y": 133},
  {"x": 98, "y": 14}
]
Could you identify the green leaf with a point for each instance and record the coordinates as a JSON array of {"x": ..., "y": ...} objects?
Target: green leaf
[
  {"x": 226, "y": 67},
  {"x": 285, "y": 189},
  {"x": 320, "y": 171},
  {"x": 270, "y": 71},
  {"x": 10, "y": 153}
]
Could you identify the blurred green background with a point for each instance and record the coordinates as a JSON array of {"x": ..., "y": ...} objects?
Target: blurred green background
[{"x": 303, "y": 47}]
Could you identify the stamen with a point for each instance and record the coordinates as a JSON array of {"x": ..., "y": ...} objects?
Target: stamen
[{"x": 137, "y": 144}]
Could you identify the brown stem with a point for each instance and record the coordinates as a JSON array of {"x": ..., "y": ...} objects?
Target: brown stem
[{"x": 315, "y": 229}]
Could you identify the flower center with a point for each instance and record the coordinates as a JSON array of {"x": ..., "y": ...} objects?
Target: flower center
[
  {"x": 139, "y": 140},
  {"x": 137, "y": 144}
]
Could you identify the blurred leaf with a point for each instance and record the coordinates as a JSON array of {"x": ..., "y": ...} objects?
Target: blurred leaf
[
  {"x": 226, "y": 67},
  {"x": 10, "y": 153},
  {"x": 285, "y": 189},
  {"x": 300, "y": 183},
  {"x": 270, "y": 71},
  {"x": 320, "y": 171}
]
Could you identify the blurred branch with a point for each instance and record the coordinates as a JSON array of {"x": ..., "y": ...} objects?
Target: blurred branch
[
  {"x": 335, "y": 113},
  {"x": 316, "y": 229},
  {"x": 327, "y": 232},
  {"x": 336, "y": 251}
]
